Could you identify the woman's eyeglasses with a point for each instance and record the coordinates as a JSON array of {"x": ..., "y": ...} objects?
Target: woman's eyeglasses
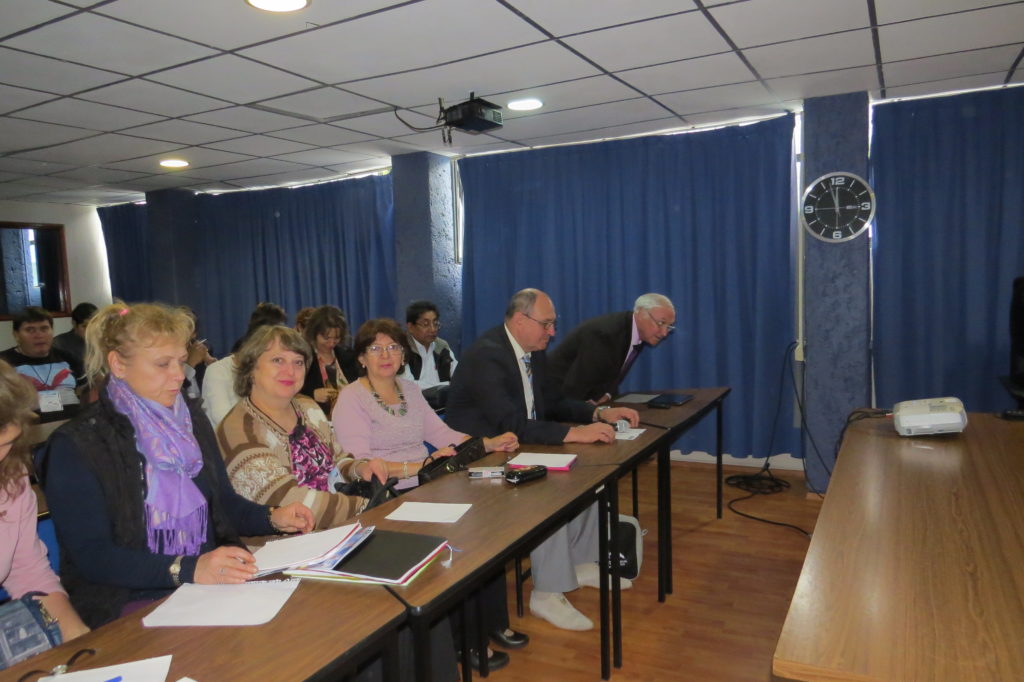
[{"x": 392, "y": 348}]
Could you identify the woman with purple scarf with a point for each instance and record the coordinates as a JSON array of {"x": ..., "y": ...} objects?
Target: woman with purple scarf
[{"x": 136, "y": 485}]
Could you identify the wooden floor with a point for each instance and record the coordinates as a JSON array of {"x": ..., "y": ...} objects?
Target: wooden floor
[{"x": 733, "y": 579}]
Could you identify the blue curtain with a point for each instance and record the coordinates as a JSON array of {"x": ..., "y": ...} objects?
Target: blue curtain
[
  {"x": 126, "y": 235},
  {"x": 324, "y": 244},
  {"x": 949, "y": 179},
  {"x": 704, "y": 218}
]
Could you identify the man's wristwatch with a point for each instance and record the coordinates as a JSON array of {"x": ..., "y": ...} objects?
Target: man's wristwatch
[
  {"x": 175, "y": 570},
  {"x": 598, "y": 411}
]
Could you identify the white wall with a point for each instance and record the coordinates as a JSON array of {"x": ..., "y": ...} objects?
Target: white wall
[{"x": 86, "y": 252}]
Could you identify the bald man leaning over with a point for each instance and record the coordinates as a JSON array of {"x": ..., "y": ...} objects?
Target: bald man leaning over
[
  {"x": 502, "y": 384},
  {"x": 595, "y": 357}
]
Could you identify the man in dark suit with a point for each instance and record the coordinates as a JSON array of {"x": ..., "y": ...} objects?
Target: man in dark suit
[
  {"x": 501, "y": 384},
  {"x": 596, "y": 356}
]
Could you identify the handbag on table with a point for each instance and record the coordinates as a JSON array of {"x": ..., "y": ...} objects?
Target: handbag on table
[{"x": 466, "y": 453}]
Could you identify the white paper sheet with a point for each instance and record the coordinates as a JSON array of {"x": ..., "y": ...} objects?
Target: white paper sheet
[
  {"x": 636, "y": 397},
  {"x": 429, "y": 512},
  {"x": 252, "y": 603},
  {"x": 298, "y": 550},
  {"x": 147, "y": 670},
  {"x": 628, "y": 434},
  {"x": 551, "y": 460}
]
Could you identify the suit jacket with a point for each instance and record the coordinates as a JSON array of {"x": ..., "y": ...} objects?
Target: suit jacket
[
  {"x": 486, "y": 396},
  {"x": 587, "y": 363}
]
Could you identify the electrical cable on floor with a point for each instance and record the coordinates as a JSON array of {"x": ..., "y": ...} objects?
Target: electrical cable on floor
[{"x": 764, "y": 482}]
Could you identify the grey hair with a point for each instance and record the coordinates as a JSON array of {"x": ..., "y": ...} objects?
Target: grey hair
[
  {"x": 521, "y": 302},
  {"x": 649, "y": 301}
]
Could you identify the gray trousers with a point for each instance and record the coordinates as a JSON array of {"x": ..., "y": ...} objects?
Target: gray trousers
[{"x": 553, "y": 563}]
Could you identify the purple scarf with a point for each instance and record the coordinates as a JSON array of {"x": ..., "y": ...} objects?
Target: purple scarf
[{"x": 176, "y": 512}]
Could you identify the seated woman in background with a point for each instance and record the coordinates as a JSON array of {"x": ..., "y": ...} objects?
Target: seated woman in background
[
  {"x": 383, "y": 416},
  {"x": 278, "y": 445},
  {"x": 334, "y": 365},
  {"x": 24, "y": 567},
  {"x": 136, "y": 485}
]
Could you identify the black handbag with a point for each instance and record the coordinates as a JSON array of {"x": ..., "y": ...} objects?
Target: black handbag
[
  {"x": 466, "y": 453},
  {"x": 374, "y": 490}
]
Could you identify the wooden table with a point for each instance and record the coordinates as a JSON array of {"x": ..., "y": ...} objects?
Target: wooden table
[
  {"x": 503, "y": 522},
  {"x": 916, "y": 567},
  {"x": 323, "y": 630}
]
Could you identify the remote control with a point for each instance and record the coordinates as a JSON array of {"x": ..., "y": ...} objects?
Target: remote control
[{"x": 1013, "y": 415}]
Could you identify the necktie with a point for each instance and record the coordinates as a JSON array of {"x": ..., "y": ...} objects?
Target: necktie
[
  {"x": 529, "y": 376},
  {"x": 634, "y": 352}
]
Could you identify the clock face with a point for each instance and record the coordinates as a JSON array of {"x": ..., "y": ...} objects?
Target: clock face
[{"x": 837, "y": 207}]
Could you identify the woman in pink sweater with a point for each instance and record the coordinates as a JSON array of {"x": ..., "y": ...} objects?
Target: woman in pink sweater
[{"x": 23, "y": 564}]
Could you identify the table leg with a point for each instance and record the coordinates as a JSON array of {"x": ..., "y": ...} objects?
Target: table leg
[
  {"x": 602, "y": 573},
  {"x": 613, "y": 518},
  {"x": 467, "y": 669},
  {"x": 481, "y": 636},
  {"x": 636, "y": 495},
  {"x": 391, "y": 658},
  {"x": 663, "y": 536},
  {"x": 718, "y": 455},
  {"x": 420, "y": 627}
]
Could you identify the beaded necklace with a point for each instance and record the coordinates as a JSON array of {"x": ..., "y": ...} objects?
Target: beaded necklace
[{"x": 403, "y": 406}]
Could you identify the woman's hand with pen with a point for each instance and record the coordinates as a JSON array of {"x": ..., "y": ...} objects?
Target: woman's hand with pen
[{"x": 225, "y": 565}]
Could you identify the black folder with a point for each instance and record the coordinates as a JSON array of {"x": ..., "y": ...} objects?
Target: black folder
[{"x": 390, "y": 556}]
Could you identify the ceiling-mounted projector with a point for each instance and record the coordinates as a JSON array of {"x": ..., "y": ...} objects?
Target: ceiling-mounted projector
[{"x": 473, "y": 116}]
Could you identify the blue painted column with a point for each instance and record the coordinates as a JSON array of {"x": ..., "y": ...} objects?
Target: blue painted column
[
  {"x": 425, "y": 238},
  {"x": 836, "y": 288}
]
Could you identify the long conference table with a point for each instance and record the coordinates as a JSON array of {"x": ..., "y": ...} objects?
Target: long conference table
[
  {"x": 327, "y": 629},
  {"x": 916, "y": 567}
]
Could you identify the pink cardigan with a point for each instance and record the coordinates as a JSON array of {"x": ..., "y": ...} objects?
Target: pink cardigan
[{"x": 23, "y": 563}]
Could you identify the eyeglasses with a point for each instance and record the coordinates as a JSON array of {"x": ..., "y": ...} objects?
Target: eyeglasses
[
  {"x": 379, "y": 350},
  {"x": 548, "y": 326},
  {"x": 661, "y": 323},
  {"x": 428, "y": 324}
]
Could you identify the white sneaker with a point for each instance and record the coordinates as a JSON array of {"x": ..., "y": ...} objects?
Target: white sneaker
[
  {"x": 588, "y": 575},
  {"x": 556, "y": 609}
]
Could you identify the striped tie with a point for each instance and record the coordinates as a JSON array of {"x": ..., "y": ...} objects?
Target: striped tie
[{"x": 529, "y": 375}]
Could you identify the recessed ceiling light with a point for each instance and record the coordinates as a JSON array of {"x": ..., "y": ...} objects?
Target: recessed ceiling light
[
  {"x": 528, "y": 104},
  {"x": 173, "y": 163},
  {"x": 278, "y": 5}
]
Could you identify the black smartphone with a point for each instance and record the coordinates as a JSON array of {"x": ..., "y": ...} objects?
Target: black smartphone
[{"x": 667, "y": 400}]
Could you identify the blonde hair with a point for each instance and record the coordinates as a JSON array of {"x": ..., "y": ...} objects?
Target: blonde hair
[
  {"x": 124, "y": 328},
  {"x": 17, "y": 402}
]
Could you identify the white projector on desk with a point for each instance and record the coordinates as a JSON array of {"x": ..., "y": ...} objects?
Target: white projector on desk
[{"x": 931, "y": 415}]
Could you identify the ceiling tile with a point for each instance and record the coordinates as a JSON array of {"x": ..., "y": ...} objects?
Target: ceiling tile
[
  {"x": 22, "y": 14},
  {"x": 97, "y": 176},
  {"x": 387, "y": 124},
  {"x": 322, "y": 157},
  {"x": 4, "y": 177},
  {"x": 123, "y": 48},
  {"x": 568, "y": 95},
  {"x": 965, "y": 31},
  {"x": 584, "y": 118},
  {"x": 155, "y": 182},
  {"x": 245, "y": 169},
  {"x": 944, "y": 66},
  {"x": 611, "y": 132},
  {"x": 460, "y": 140},
  {"x": 28, "y": 166},
  {"x": 758, "y": 22},
  {"x": 889, "y": 11},
  {"x": 651, "y": 42},
  {"x": 152, "y": 97},
  {"x": 321, "y": 135},
  {"x": 714, "y": 99},
  {"x": 229, "y": 25},
  {"x": 573, "y": 16},
  {"x": 89, "y": 197},
  {"x": 284, "y": 179},
  {"x": 948, "y": 85},
  {"x": 248, "y": 119},
  {"x": 10, "y": 190},
  {"x": 501, "y": 72},
  {"x": 53, "y": 182},
  {"x": 826, "y": 83},
  {"x": 183, "y": 132},
  {"x": 367, "y": 47},
  {"x": 12, "y": 98},
  {"x": 73, "y": 112},
  {"x": 52, "y": 75},
  {"x": 198, "y": 157},
  {"x": 379, "y": 148},
  {"x": 323, "y": 103},
  {"x": 688, "y": 74},
  {"x": 101, "y": 149},
  {"x": 233, "y": 78},
  {"x": 368, "y": 166},
  {"x": 16, "y": 134},
  {"x": 811, "y": 55},
  {"x": 260, "y": 145}
]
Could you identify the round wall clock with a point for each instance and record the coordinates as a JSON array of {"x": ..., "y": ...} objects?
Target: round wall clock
[{"x": 837, "y": 207}]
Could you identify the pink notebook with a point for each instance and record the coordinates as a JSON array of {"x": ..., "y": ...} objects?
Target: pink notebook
[{"x": 553, "y": 462}]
